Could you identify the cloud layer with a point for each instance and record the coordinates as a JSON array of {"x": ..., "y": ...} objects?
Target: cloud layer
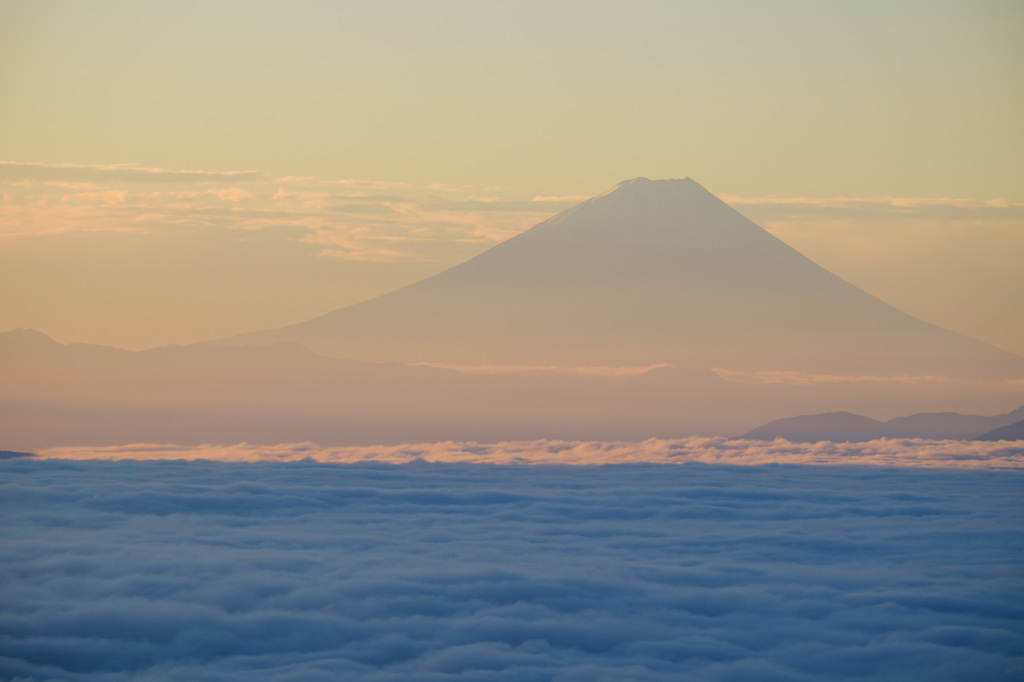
[
  {"x": 308, "y": 571},
  {"x": 885, "y": 452}
]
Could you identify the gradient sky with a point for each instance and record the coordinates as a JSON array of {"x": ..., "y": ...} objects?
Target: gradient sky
[{"x": 336, "y": 150}]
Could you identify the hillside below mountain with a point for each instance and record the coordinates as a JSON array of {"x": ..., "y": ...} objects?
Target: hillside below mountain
[{"x": 77, "y": 394}]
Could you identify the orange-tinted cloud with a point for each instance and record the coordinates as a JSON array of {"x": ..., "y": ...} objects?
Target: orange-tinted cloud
[
  {"x": 907, "y": 453},
  {"x": 349, "y": 218}
]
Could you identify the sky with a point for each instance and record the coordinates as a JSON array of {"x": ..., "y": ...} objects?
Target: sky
[{"x": 180, "y": 172}]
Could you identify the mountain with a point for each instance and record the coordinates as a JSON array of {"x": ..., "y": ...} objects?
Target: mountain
[
  {"x": 846, "y": 427},
  {"x": 839, "y": 427},
  {"x": 948, "y": 424},
  {"x": 651, "y": 272},
  {"x": 1014, "y": 431}
]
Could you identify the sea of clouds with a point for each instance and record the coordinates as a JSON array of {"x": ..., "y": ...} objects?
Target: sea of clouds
[{"x": 307, "y": 570}]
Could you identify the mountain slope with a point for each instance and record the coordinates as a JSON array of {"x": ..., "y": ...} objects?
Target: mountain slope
[
  {"x": 948, "y": 424},
  {"x": 846, "y": 427},
  {"x": 1014, "y": 431},
  {"x": 839, "y": 427},
  {"x": 651, "y": 272}
]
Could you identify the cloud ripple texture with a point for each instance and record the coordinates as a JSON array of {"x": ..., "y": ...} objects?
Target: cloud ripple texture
[
  {"x": 200, "y": 570},
  {"x": 903, "y": 452}
]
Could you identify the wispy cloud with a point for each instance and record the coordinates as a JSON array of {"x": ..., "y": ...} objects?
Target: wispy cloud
[
  {"x": 946, "y": 208},
  {"x": 348, "y": 218},
  {"x": 569, "y": 198},
  {"x": 810, "y": 379},
  {"x": 594, "y": 370},
  {"x": 13, "y": 171}
]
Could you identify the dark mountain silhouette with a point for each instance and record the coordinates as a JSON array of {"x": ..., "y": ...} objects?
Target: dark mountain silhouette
[
  {"x": 1014, "y": 431},
  {"x": 652, "y": 272},
  {"x": 948, "y": 424},
  {"x": 833, "y": 426},
  {"x": 846, "y": 427}
]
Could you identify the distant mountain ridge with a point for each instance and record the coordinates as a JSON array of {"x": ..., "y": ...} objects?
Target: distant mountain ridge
[
  {"x": 55, "y": 394},
  {"x": 79, "y": 394},
  {"x": 847, "y": 427},
  {"x": 1014, "y": 431},
  {"x": 652, "y": 272}
]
